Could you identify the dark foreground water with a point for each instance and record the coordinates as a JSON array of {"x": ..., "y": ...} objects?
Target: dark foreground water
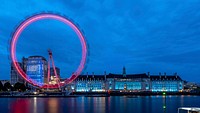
[{"x": 148, "y": 104}]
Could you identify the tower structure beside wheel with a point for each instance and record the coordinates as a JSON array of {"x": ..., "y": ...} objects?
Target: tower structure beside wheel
[{"x": 51, "y": 61}]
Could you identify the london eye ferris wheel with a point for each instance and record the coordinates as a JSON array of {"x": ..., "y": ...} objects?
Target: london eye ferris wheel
[{"x": 24, "y": 75}]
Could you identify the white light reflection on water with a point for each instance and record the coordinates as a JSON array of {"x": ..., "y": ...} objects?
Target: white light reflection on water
[{"x": 34, "y": 105}]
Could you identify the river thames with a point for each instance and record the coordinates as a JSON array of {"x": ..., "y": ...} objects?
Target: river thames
[{"x": 113, "y": 104}]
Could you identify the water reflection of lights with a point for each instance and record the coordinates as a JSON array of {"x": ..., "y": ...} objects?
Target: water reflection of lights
[
  {"x": 83, "y": 104},
  {"x": 53, "y": 105},
  {"x": 182, "y": 100},
  {"x": 99, "y": 104},
  {"x": 20, "y": 106},
  {"x": 34, "y": 105}
]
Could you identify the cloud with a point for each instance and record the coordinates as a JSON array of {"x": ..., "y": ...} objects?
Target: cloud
[
  {"x": 191, "y": 57},
  {"x": 144, "y": 36}
]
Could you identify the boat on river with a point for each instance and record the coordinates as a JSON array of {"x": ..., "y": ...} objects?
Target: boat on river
[{"x": 189, "y": 110}]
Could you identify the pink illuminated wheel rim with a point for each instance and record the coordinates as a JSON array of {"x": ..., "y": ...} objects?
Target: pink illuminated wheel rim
[{"x": 43, "y": 16}]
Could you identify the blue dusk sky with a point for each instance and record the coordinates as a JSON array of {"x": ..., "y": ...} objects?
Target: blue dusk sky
[{"x": 142, "y": 35}]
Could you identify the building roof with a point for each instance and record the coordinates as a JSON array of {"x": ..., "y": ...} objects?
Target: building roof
[
  {"x": 129, "y": 76},
  {"x": 91, "y": 77},
  {"x": 37, "y": 56},
  {"x": 164, "y": 77},
  {"x": 102, "y": 77},
  {"x": 143, "y": 75}
]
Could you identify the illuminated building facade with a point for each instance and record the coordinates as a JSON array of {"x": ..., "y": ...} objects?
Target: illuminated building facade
[
  {"x": 89, "y": 83},
  {"x": 166, "y": 83},
  {"x": 36, "y": 69},
  {"x": 116, "y": 82},
  {"x": 54, "y": 79},
  {"x": 57, "y": 71},
  {"x": 136, "y": 82},
  {"x": 14, "y": 75},
  {"x": 128, "y": 83},
  {"x": 24, "y": 64}
]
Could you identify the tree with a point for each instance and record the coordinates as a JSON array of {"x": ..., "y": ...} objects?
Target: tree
[
  {"x": 23, "y": 87},
  {"x": 1, "y": 86},
  {"x": 17, "y": 86},
  {"x": 20, "y": 87},
  {"x": 7, "y": 86}
]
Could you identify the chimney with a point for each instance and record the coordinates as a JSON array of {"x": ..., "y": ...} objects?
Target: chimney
[
  {"x": 124, "y": 72},
  {"x": 93, "y": 74},
  {"x": 105, "y": 74},
  {"x": 148, "y": 73},
  {"x": 87, "y": 74}
]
